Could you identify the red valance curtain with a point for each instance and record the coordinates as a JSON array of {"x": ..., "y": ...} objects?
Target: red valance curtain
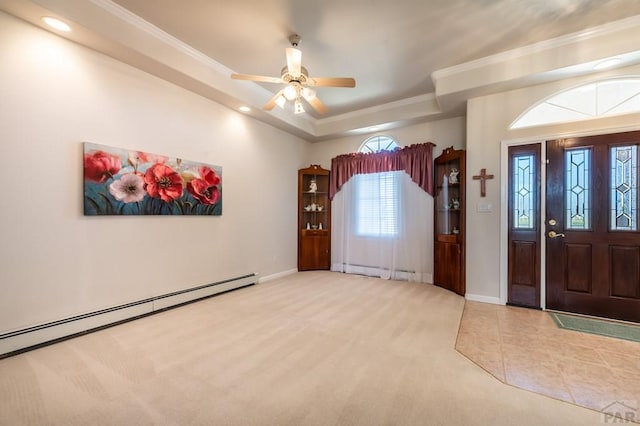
[{"x": 416, "y": 160}]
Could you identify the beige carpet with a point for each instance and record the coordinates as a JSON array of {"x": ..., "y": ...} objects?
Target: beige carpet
[{"x": 314, "y": 348}]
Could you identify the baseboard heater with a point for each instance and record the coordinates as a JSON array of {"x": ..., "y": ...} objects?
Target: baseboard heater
[
  {"x": 17, "y": 341},
  {"x": 370, "y": 271}
]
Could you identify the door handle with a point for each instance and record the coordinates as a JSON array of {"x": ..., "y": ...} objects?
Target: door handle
[{"x": 554, "y": 234}]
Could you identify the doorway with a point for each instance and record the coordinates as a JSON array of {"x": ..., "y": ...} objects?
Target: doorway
[{"x": 591, "y": 227}]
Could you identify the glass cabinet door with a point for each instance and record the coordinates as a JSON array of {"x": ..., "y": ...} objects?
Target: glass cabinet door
[
  {"x": 448, "y": 202},
  {"x": 449, "y": 226},
  {"x": 315, "y": 201}
]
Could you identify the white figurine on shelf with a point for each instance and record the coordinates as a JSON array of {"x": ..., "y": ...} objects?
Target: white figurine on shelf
[
  {"x": 313, "y": 186},
  {"x": 453, "y": 176}
]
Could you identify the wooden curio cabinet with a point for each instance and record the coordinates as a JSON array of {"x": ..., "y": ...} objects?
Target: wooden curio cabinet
[
  {"x": 449, "y": 205},
  {"x": 314, "y": 219}
]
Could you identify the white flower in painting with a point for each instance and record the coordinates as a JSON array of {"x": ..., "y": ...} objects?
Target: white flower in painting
[{"x": 129, "y": 188}]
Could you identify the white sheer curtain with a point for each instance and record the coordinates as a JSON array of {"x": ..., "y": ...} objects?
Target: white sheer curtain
[{"x": 397, "y": 243}]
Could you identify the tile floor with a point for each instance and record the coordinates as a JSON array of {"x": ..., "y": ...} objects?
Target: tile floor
[{"x": 524, "y": 348}]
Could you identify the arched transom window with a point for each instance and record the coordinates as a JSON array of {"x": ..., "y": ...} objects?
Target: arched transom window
[
  {"x": 592, "y": 100},
  {"x": 378, "y": 143}
]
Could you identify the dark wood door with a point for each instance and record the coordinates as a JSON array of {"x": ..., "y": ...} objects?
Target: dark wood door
[
  {"x": 524, "y": 226},
  {"x": 592, "y": 238}
]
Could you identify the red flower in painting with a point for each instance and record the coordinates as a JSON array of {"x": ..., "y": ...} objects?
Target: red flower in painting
[
  {"x": 100, "y": 166},
  {"x": 163, "y": 182},
  {"x": 205, "y": 189}
]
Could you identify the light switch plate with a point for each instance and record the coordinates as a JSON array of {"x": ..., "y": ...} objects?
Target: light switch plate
[{"x": 484, "y": 207}]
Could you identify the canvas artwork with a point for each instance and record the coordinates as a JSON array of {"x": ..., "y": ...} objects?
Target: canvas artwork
[{"x": 123, "y": 182}]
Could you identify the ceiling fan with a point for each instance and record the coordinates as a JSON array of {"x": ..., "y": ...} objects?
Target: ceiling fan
[{"x": 297, "y": 81}]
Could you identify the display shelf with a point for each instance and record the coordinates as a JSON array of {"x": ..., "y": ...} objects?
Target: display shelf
[
  {"x": 314, "y": 219},
  {"x": 449, "y": 220}
]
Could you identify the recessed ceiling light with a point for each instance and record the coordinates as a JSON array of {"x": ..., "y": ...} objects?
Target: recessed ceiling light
[
  {"x": 56, "y": 23},
  {"x": 607, "y": 63},
  {"x": 244, "y": 108}
]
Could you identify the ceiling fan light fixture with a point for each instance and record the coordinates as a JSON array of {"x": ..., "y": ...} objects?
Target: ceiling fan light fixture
[
  {"x": 308, "y": 94},
  {"x": 280, "y": 101},
  {"x": 295, "y": 78},
  {"x": 290, "y": 92}
]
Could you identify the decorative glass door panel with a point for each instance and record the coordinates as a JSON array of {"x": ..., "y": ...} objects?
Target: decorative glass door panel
[
  {"x": 624, "y": 188},
  {"x": 524, "y": 191},
  {"x": 578, "y": 188}
]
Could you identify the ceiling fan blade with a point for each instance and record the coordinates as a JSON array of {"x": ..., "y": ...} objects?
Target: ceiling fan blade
[
  {"x": 294, "y": 61},
  {"x": 331, "y": 82},
  {"x": 272, "y": 102},
  {"x": 260, "y": 78},
  {"x": 317, "y": 104}
]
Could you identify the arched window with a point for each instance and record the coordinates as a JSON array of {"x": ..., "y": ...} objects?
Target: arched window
[
  {"x": 597, "y": 99},
  {"x": 376, "y": 207},
  {"x": 378, "y": 143}
]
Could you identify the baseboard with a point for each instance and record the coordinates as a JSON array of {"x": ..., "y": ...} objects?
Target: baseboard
[
  {"x": 277, "y": 275},
  {"x": 483, "y": 299},
  {"x": 17, "y": 341}
]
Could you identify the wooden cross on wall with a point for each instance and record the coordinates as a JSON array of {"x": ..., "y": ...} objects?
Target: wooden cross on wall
[{"x": 482, "y": 177}]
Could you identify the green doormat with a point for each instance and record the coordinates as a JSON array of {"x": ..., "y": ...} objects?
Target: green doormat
[{"x": 597, "y": 326}]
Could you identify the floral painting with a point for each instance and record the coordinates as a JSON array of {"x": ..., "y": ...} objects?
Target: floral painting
[{"x": 122, "y": 182}]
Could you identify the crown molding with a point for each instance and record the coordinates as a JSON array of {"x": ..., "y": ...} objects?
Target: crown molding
[
  {"x": 139, "y": 23},
  {"x": 621, "y": 25}
]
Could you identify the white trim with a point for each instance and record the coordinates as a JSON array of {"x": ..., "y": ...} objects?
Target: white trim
[
  {"x": 535, "y": 48},
  {"x": 483, "y": 299},
  {"x": 572, "y": 134},
  {"x": 543, "y": 222},
  {"x": 277, "y": 275},
  {"x": 425, "y": 99},
  {"x": 143, "y": 25},
  {"x": 504, "y": 228}
]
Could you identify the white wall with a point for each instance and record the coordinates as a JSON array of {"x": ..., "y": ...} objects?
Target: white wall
[
  {"x": 443, "y": 133},
  {"x": 55, "y": 262},
  {"x": 488, "y": 120}
]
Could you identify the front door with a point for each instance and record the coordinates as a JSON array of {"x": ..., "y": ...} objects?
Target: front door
[{"x": 592, "y": 234}]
